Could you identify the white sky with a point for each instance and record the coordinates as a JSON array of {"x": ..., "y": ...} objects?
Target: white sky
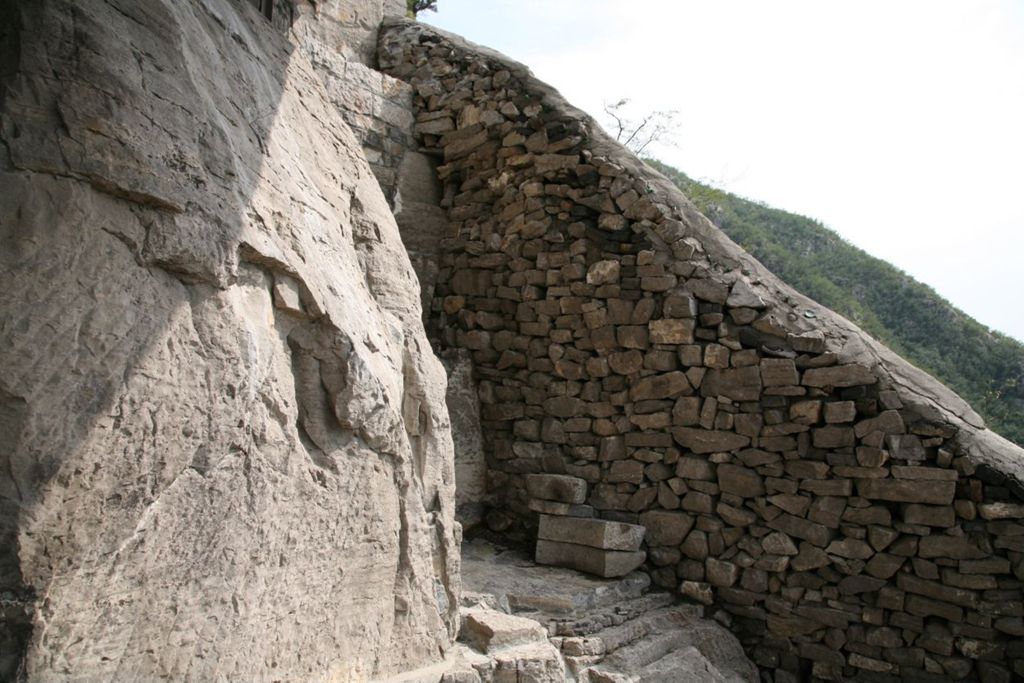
[{"x": 898, "y": 124}]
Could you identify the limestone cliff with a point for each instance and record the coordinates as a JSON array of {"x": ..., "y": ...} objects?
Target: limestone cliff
[{"x": 226, "y": 449}]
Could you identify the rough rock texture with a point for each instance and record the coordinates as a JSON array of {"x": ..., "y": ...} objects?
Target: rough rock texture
[
  {"x": 470, "y": 464},
  {"x": 226, "y": 449},
  {"x": 849, "y": 516},
  {"x": 602, "y": 630}
]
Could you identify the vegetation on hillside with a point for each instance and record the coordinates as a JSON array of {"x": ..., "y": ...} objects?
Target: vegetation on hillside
[{"x": 983, "y": 366}]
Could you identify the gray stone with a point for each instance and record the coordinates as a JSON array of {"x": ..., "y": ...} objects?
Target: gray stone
[
  {"x": 839, "y": 376},
  {"x": 606, "y": 563},
  {"x": 672, "y": 331},
  {"x": 489, "y": 630},
  {"x": 738, "y": 384},
  {"x": 740, "y": 481},
  {"x": 199, "y": 448},
  {"x": 907, "y": 491},
  {"x": 551, "y": 507},
  {"x": 709, "y": 441},
  {"x": 666, "y": 527},
  {"x": 596, "y": 533},
  {"x": 557, "y": 487},
  {"x": 603, "y": 272},
  {"x": 816, "y": 534}
]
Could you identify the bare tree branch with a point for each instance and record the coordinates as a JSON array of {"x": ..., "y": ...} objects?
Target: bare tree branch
[{"x": 654, "y": 127}]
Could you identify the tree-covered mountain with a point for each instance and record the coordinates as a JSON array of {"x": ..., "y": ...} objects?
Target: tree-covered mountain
[{"x": 982, "y": 365}]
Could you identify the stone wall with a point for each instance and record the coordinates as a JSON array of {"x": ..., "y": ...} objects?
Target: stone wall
[
  {"x": 226, "y": 454},
  {"x": 847, "y": 515}
]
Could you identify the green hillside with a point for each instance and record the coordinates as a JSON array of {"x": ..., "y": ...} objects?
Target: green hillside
[{"x": 983, "y": 366}]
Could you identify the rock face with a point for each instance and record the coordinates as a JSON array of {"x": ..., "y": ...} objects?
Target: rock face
[
  {"x": 226, "y": 449},
  {"x": 850, "y": 517}
]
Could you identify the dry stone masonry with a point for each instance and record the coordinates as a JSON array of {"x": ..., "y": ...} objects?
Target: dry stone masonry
[
  {"x": 569, "y": 535},
  {"x": 846, "y": 515}
]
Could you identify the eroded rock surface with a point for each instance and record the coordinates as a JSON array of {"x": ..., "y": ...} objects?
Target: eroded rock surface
[{"x": 226, "y": 449}]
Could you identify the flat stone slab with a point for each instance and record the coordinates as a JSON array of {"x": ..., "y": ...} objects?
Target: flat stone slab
[
  {"x": 596, "y": 533},
  {"x": 935, "y": 492},
  {"x": 553, "y": 507},
  {"x": 557, "y": 487},
  {"x": 517, "y": 581},
  {"x": 606, "y": 563},
  {"x": 490, "y": 630}
]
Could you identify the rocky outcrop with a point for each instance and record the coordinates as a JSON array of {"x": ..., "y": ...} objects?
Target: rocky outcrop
[
  {"x": 227, "y": 454},
  {"x": 845, "y": 513}
]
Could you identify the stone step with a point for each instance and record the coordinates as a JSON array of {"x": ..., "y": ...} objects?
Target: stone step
[
  {"x": 531, "y": 663},
  {"x": 686, "y": 665},
  {"x": 605, "y": 563},
  {"x": 594, "y": 621},
  {"x": 615, "y": 637},
  {"x": 676, "y": 629},
  {"x": 512, "y": 578},
  {"x": 595, "y": 533},
  {"x": 490, "y": 631},
  {"x": 640, "y": 652}
]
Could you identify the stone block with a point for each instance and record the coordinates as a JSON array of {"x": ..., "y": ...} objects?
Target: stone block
[
  {"x": 907, "y": 490},
  {"x": 557, "y": 487},
  {"x": 551, "y": 507},
  {"x": 740, "y": 481},
  {"x": 490, "y": 630},
  {"x": 929, "y": 515},
  {"x": 606, "y": 563},
  {"x": 666, "y": 385},
  {"x": 603, "y": 272},
  {"x": 596, "y": 533},
  {"x": 671, "y": 331},
  {"x": 838, "y": 376},
  {"x": 953, "y": 547},
  {"x": 738, "y": 384},
  {"x": 812, "y": 532},
  {"x": 776, "y": 372},
  {"x": 666, "y": 527},
  {"x": 709, "y": 441}
]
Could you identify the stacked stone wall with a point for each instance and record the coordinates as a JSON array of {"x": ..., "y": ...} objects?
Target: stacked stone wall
[{"x": 847, "y": 516}]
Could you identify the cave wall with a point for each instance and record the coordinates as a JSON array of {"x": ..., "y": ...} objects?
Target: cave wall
[
  {"x": 845, "y": 513},
  {"x": 226, "y": 449}
]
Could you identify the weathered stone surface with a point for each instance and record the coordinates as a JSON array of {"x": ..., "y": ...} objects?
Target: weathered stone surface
[
  {"x": 596, "y": 533},
  {"x": 603, "y": 272},
  {"x": 839, "y": 376},
  {"x": 953, "y": 547},
  {"x": 551, "y": 507},
  {"x": 907, "y": 491},
  {"x": 817, "y": 534},
  {"x": 490, "y": 631},
  {"x": 739, "y": 384},
  {"x": 606, "y": 563},
  {"x": 203, "y": 453},
  {"x": 709, "y": 441},
  {"x": 672, "y": 331},
  {"x": 557, "y": 487},
  {"x": 740, "y": 481},
  {"x": 779, "y": 372},
  {"x": 470, "y": 466},
  {"x": 665, "y": 527},
  {"x": 668, "y": 385}
]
